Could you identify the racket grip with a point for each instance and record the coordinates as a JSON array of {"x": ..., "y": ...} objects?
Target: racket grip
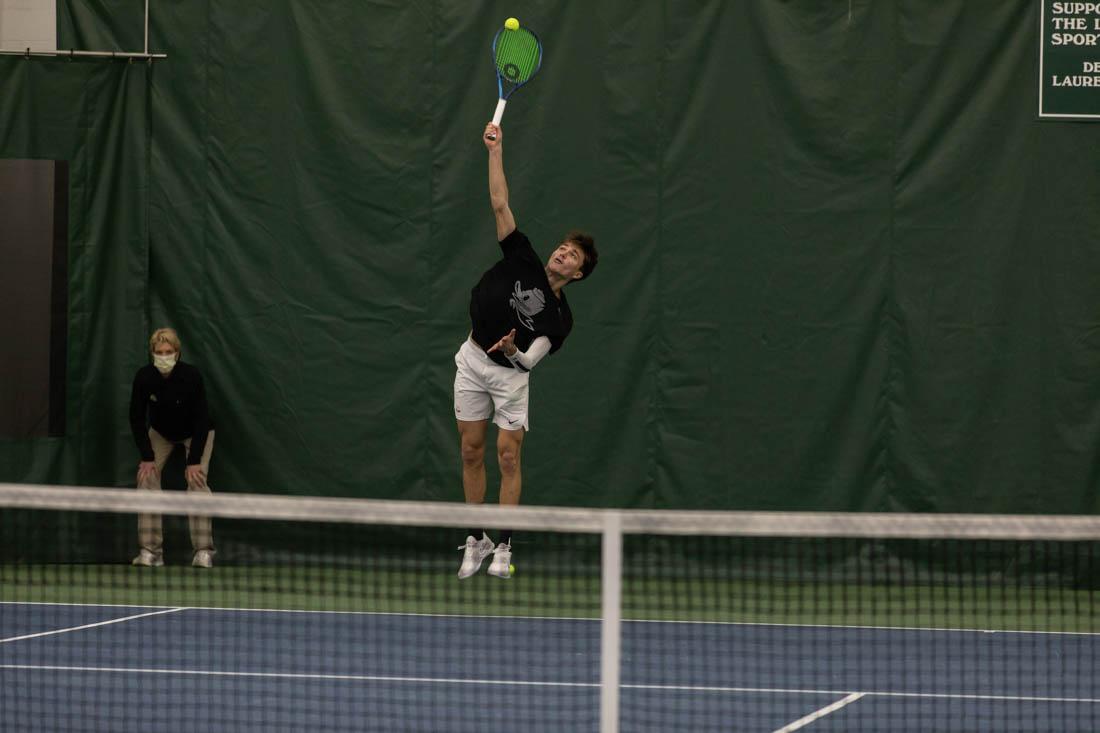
[{"x": 498, "y": 114}]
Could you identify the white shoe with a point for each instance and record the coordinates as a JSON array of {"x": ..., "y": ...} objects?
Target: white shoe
[
  {"x": 475, "y": 552},
  {"x": 148, "y": 559},
  {"x": 501, "y": 566},
  {"x": 203, "y": 559}
]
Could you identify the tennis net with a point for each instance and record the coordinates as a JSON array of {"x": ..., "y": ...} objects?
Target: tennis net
[{"x": 343, "y": 614}]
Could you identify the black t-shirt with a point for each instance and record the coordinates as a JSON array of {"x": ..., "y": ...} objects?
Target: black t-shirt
[
  {"x": 514, "y": 293},
  {"x": 175, "y": 407}
]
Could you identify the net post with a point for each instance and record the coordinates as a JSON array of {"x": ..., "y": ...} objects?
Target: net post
[{"x": 611, "y": 621}]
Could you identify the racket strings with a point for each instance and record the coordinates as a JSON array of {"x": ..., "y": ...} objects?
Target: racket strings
[{"x": 517, "y": 56}]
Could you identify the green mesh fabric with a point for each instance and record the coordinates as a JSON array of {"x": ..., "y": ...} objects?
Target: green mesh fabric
[{"x": 517, "y": 55}]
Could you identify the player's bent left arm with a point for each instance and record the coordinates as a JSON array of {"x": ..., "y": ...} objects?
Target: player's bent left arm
[{"x": 527, "y": 360}]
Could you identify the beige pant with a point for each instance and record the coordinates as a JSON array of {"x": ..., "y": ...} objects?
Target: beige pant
[{"x": 149, "y": 525}]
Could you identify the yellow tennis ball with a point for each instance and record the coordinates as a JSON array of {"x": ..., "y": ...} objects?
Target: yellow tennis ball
[
  {"x": 511, "y": 569},
  {"x": 511, "y": 24}
]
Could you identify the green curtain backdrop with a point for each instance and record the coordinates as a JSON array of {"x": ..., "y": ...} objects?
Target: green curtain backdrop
[
  {"x": 843, "y": 266},
  {"x": 95, "y": 115}
]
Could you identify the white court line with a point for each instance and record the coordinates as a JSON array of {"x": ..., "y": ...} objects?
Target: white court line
[
  {"x": 855, "y": 627},
  {"x": 89, "y": 626},
  {"x": 874, "y": 693},
  {"x": 305, "y": 611},
  {"x": 536, "y": 683},
  {"x": 571, "y": 618},
  {"x": 815, "y": 715},
  {"x": 297, "y": 676},
  {"x": 999, "y": 698}
]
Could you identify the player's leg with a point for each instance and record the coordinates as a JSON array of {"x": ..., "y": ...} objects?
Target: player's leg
[
  {"x": 478, "y": 545},
  {"x": 510, "y": 390},
  {"x": 509, "y": 448},
  {"x": 150, "y": 536},
  {"x": 202, "y": 533},
  {"x": 473, "y": 408},
  {"x": 471, "y": 436}
]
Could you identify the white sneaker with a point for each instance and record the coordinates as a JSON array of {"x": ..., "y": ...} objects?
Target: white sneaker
[
  {"x": 501, "y": 566},
  {"x": 148, "y": 559},
  {"x": 475, "y": 552},
  {"x": 203, "y": 559}
]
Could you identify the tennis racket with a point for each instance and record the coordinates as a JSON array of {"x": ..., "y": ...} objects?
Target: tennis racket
[{"x": 517, "y": 56}]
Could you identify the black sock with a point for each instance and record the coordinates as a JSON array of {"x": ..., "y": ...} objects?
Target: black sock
[{"x": 505, "y": 537}]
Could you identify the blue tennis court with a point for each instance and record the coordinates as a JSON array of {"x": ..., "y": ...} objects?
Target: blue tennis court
[{"x": 130, "y": 668}]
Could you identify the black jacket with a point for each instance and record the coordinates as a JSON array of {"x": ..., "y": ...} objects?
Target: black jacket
[{"x": 174, "y": 406}]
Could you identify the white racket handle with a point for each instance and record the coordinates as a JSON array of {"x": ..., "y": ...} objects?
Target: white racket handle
[{"x": 500, "y": 111}]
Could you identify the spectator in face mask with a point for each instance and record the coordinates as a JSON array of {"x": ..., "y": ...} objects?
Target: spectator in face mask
[{"x": 168, "y": 409}]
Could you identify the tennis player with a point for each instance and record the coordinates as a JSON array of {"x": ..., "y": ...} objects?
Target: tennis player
[
  {"x": 518, "y": 316},
  {"x": 168, "y": 409}
]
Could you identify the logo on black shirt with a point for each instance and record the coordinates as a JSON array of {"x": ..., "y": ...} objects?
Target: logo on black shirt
[{"x": 527, "y": 304}]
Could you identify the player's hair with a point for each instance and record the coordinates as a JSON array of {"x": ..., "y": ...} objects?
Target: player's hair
[
  {"x": 165, "y": 336},
  {"x": 588, "y": 247}
]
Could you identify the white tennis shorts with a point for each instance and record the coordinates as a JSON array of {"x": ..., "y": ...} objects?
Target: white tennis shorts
[{"x": 483, "y": 387}]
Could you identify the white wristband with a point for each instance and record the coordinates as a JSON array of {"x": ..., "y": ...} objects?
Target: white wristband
[{"x": 539, "y": 348}]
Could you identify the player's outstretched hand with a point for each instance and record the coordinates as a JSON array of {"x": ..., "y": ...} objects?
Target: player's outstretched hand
[
  {"x": 506, "y": 344},
  {"x": 493, "y": 136}
]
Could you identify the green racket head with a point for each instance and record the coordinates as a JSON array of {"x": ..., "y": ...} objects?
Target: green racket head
[{"x": 518, "y": 55}]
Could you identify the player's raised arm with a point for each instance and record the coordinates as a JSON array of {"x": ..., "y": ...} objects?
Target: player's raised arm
[{"x": 498, "y": 186}]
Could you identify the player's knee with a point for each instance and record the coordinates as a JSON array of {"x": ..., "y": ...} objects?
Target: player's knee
[
  {"x": 508, "y": 458},
  {"x": 473, "y": 454}
]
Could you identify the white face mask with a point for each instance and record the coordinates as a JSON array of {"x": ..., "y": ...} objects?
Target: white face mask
[{"x": 165, "y": 363}]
